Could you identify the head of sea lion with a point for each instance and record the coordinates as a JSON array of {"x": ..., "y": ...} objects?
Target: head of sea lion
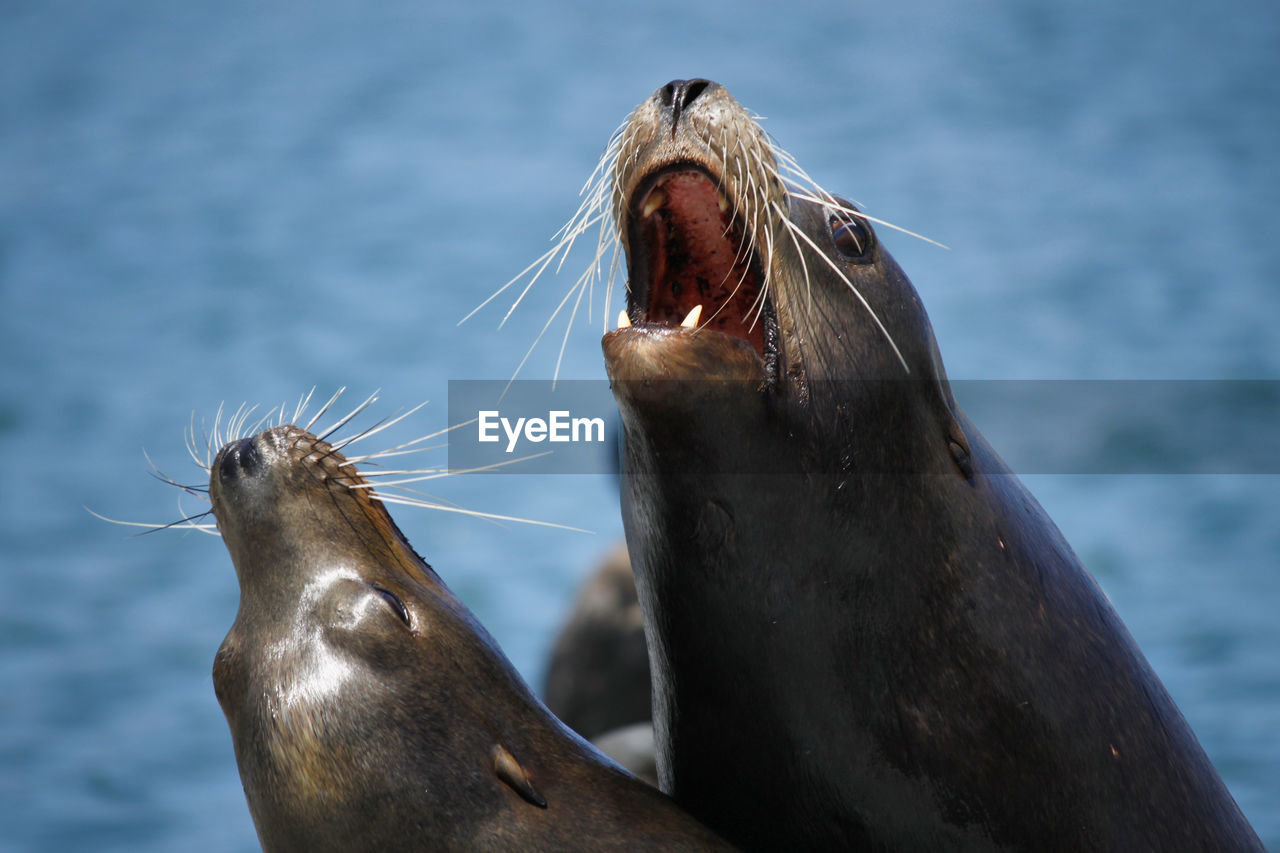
[
  {"x": 803, "y": 317},
  {"x": 368, "y": 708},
  {"x": 849, "y": 599}
]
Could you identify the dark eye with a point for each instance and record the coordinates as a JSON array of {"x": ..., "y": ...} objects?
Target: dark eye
[
  {"x": 851, "y": 234},
  {"x": 394, "y": 601}
]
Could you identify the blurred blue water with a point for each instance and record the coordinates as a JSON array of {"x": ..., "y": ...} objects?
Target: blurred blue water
[{"x": 238, "y": 201}]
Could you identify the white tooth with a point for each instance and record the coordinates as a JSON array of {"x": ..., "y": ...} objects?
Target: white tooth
[
  {"x": 623, "y": 319},
  {"x": 691, "y": 321},
  {"x": 656, "y": 199},
  {"x": 722, "y": 202}
]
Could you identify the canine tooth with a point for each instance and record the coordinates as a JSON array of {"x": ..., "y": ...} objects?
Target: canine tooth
[
  {"x": 623, "y": 319},
  {"x": 722, "y": 202},
  {"x": 656, "y": 199},
  {"x": 691, "y": 321}
]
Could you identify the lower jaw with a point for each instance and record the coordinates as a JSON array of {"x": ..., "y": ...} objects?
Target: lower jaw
[{"x": 649, "y": 352}]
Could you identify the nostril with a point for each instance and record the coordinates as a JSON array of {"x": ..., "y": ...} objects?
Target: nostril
[
  {"x": 692, "y": 89},
  {"x": 679, "y": 94},
  {"x": 667, "y": 93},
  {"x": 241, "y": 458}
]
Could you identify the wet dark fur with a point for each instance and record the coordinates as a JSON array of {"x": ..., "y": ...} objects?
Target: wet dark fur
[
  {"x": 356, "y": 731},
  {"x": 865, "y": 633}
]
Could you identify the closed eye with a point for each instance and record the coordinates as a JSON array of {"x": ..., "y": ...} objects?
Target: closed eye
[{"x": 394, "y": 602}]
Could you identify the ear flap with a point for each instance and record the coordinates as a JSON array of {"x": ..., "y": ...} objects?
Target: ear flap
[
  {"x": 959, "y": 446},
  {"x": 509, "y": 771}
]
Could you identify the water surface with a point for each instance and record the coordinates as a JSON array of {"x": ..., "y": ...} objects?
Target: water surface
[{"x": 239, "y": 201}]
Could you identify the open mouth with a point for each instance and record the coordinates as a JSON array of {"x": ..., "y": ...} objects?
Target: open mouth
[{"x": 692, "y": 261}]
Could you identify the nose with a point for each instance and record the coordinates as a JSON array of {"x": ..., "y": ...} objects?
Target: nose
[
  {"x": 676, "y": 96},
  {"x": 239, "y": 459}
]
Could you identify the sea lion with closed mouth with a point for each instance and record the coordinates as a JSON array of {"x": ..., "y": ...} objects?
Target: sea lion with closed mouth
[
  {"x": 864, "y": 632},
  {"x": 368, "y": 708}
]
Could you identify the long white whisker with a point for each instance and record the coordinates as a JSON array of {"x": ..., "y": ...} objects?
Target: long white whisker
[
  {"x": 593, "y": 211},
  {"x": 542, "y": 263},
  {"x": 165, "y": 478},
  {"x": 792, "y": 231},
  {"x": 614, "y": 263},
  {"x": 402, "y": 472},
  {"x": 576, "y": 287},
  {"x": 346, "y": 419},
  {"x": 258, "y": 425},
  {"x": 796, "y": 230},
  {"x": 385, "y": 423},
  {"x": 373, "y": 458},
  {"x": 562, "y": 249},
  {"x": 184, "y": 523},
  {"x": 235, "y": 428},
  {"x": 429, "y": 474},
  {"x": 193, "y": 449},
  {"x": 564, "y": 342},
  {"x": 401, "y": 449},
  {"x": 303, "y": 402},
  {"x": 217, "y": 423},
  {"x": 493, "y": 516},
  {"x": 853, "y": 211},
  {"x": 310, "y": 425}
]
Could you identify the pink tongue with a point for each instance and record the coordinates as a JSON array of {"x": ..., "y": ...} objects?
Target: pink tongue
[
  {"x": 697, "y": 258},
  {"x": 697, "y": 253},
  {"x": 692, "y": 199}
]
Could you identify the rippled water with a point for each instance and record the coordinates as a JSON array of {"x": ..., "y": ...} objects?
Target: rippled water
[{"x": 236, "y": 202}]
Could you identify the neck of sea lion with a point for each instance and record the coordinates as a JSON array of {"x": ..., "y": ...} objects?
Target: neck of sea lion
[
  {"x": 888, "y": 586},
  {"x": 752, "y": 543}
]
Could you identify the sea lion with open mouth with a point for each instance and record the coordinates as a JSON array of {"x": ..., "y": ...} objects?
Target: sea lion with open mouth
[
  {"x": 864, "y": 632},
  {"x": 368, "y": 708}
]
